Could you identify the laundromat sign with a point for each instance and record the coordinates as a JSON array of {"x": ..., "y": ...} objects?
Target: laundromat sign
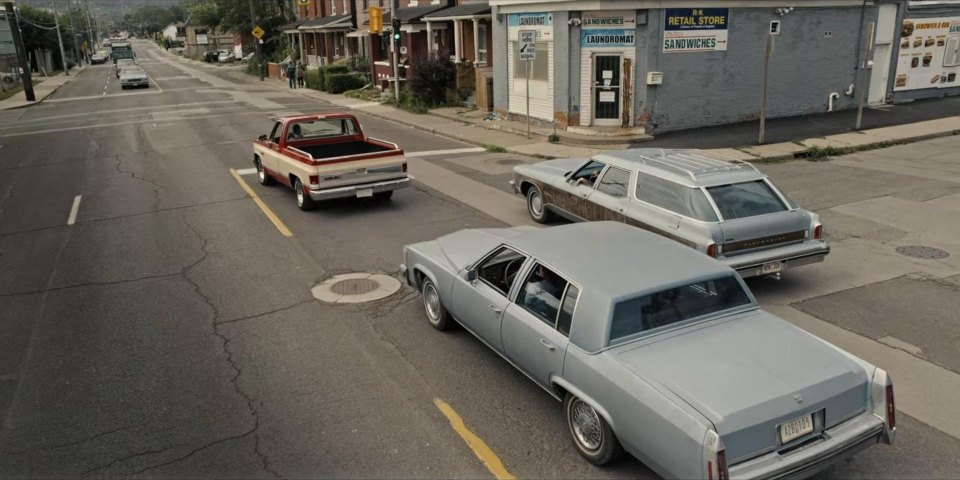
[{"x": 695, "y": 29}]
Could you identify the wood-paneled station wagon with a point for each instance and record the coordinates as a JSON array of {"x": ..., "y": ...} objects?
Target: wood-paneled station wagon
[{"x": 729, "y": 211}]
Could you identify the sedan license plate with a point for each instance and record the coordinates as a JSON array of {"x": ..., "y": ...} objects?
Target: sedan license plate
[
  {"x": 366, "y": 192},
  {"x": 796, "y": 428},
  {"x": 772, "y": 267}
]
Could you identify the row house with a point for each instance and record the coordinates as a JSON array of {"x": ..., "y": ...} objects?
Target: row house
[{"x": 330, "y": 30}]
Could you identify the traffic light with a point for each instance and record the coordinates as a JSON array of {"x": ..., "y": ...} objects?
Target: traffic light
[
  {"x": 396, "y": 30},
  {"x": 376, "y": 19}
]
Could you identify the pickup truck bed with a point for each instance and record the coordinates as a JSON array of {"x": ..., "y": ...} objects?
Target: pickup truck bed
[{"x": 333, "y": 150}]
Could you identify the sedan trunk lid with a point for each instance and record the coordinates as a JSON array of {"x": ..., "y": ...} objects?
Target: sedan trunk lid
[{"x": 750, "y": 374}]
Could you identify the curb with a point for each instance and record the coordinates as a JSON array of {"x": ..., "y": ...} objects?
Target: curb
[
  {"x": 836, "y": 151},
  {"x": 40, "y": 100}
]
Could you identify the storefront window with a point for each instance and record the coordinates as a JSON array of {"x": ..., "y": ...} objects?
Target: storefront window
[{"x": 540, "y": 68}]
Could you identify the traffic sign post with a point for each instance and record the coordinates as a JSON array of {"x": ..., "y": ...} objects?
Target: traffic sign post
[
  {"x": 528, "y": 54},
  {"x": 258, "y": 32}
]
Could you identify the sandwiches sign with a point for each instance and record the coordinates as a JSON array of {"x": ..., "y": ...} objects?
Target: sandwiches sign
[{"x": 695, "y": 29}]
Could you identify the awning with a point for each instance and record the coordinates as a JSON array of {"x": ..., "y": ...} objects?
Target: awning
[
  {"x": 409, "y": 15},
  {"x": 290, "y": 27},
  {"x": 331, "y": 23},
  {"x": 460, "y": 12}
]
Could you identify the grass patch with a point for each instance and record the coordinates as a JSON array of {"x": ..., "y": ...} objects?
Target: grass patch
[
  {"x": 11, "y": 91},
  {"x": 495, "y": 148},
  {"x": 820, "y": 154}
]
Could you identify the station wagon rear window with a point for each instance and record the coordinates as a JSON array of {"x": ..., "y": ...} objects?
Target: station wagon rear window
[
  {"x": 676, "y": 305},
  {"x": 747, "y": 199}
]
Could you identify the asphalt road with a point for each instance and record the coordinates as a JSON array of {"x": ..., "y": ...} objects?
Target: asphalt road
[{"x": 168, "y": 330}]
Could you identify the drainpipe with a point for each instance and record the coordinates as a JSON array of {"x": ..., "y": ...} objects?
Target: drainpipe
[{"x": 833, "y": 96}]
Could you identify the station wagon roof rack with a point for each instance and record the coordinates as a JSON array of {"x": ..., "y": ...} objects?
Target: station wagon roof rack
[{"x": 694, "y": 164}]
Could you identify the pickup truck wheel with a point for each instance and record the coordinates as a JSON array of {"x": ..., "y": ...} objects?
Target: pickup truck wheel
[
  {"x": 538, "y": 211},
  {"x": 303, "y": 200},
  {"x": 383, "y": 195},
  {"x": 436, "y": 314},
  {"x": 591, "y": 434},
  {"x": 265, "y": 180}
]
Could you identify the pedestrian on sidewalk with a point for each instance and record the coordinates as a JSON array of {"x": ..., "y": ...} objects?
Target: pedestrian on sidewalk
[
  {"x": 301, "y": 69},
  {"x": 292, "y": 75}
]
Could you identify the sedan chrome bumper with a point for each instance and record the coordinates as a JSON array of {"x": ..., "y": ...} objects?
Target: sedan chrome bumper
[
  {"x": 355, "y": 190},
  {"x": 835, "y": 444},
  {"x": 753, "y": 264}
]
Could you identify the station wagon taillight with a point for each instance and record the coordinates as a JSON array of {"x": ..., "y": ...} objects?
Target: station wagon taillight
[
  {"x": 818, "y": 232},
  {"x": 314, "y": 179},
  {"x": 712, "y": 250},
  {"x": 891, "y": 408},
  {"x": 715, "y": 455},
  {"x": 404, "y": 167}
]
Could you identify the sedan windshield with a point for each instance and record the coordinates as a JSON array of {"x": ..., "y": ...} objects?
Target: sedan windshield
[
  {"x": 676, "y": 305},
  {"x": 746, "y": 199}
]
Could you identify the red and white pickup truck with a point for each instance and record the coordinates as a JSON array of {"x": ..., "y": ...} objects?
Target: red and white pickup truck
[{"x": 327, "y": 156}]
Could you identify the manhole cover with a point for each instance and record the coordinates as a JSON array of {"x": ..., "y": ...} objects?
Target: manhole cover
[
  {"x": 509, "y": 161},
  {"x": 355, "y": 288},
  {"x": 920, "y": 251}
]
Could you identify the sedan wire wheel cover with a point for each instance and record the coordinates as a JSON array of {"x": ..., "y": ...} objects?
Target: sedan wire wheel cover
[
  {"x": 586, "y": 425},
  {"x": 431, "y": 302}
]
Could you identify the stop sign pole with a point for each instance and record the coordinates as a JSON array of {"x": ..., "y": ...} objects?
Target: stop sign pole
[{"x": 528, "y": 54}]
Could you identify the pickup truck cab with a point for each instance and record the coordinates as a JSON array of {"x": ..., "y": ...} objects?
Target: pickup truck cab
[{"x": 327, "y": 156}]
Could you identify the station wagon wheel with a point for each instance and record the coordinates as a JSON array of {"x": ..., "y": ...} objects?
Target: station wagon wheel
[
  {"x": 591, "y": 434},
  {"x": 538, "y": 211},
  {"x": 436, "y": 314},
  {"x": 265, "y": 179},
  {"x": 303, "y": 200}
]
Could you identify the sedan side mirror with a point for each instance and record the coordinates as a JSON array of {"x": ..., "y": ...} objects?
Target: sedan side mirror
[
  {"x": 472, "y": 275},
  {"x": 262, "y": 138}
]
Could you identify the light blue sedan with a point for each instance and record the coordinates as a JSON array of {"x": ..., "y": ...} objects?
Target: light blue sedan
[{"x": 654, "y": 349}]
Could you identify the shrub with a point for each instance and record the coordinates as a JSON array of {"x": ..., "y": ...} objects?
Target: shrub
[
  {"x": 341, "y": 82},
  {"x": 312, "y": 78},
  {"x": 432, "y": 77}
]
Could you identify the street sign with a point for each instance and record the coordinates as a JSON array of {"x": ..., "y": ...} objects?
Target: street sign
[
  {"x": 258, "y": 32},
  {"x": 528, "y": 45}
]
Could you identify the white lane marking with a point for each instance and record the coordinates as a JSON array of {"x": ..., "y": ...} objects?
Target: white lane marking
[
  {"x": 106, "y": 125},
  {"x": 247, "y": 171},
  {"x": 454, "y": 151},
  {"x": 73, "y": 211}
]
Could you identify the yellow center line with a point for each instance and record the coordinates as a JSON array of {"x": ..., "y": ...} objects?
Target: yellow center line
[
  {"x": 479, "y": 447},
  {"x": 263, "y": 206}
]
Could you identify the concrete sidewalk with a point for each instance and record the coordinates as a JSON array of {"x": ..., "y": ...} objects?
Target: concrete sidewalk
[
  {"x": 46, "y": 87},
  {"x": 538, "y": 147}
]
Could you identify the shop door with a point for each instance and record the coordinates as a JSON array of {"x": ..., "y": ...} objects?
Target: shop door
[{"x": 606, "y": 90}]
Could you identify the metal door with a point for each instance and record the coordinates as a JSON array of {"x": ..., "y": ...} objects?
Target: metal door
[
  {"x": 882, "y": 54},
  {"x": 606, "y": 89}
]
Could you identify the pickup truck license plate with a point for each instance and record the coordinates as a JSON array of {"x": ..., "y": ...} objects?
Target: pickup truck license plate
[
  {"x": 366, "y": 192},
  {"x": 796, "y": 428},
  {"x": 772, "y": 267}
]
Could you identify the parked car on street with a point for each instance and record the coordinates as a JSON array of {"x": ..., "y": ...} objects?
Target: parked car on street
[
  {"x": 654, "y": 349},
  {"x": 124, "y": 63},
  {"x": 133, "y": 76},
  {"x": 327, "y": 156},
  {"x": 98, "y": 58},
  {"x": 729, "y": 211},
  {"x": 227, "y": 57},
  {"x": 212, "y": 56}
]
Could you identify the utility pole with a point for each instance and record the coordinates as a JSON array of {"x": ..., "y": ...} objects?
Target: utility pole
[
  {"x": 86, "y": 10},
  {"x": 63, "y": 55},
  {"x": 395, "y": 20},
  {"x": 256, "y": 41},
  {"x": 865, "y": 69},
  {"x": 73, "y": 31},
  {"x": 21, "y": 53}
]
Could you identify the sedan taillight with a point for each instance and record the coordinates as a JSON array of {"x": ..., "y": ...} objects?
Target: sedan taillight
[
  {"x": 818, "y": 232},
  {"x": 891, "y": 408}
]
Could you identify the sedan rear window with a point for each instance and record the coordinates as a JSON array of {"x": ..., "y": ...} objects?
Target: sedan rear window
[
  {"x": 746, "y": 199},
  {"x": 676, "y": 305}
]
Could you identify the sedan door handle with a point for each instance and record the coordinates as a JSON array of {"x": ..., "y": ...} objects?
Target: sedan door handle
[
  {"x": 496, "y": 309},
  {"x": 548, "y": 345}
]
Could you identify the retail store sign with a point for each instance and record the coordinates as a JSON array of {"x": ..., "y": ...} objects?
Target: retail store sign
[
  {"x": 530, "y": 20},
  {"x": 688, "y": 30},
  {"x": 608, "y": 38},
  {"x": 929, "y": 55}
]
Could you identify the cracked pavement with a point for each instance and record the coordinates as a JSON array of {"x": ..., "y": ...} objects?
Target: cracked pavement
[{"x": 170, "y": 333}]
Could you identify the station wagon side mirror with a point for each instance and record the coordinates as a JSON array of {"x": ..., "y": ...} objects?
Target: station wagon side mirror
[
  {"x": 262, "y": 138},
  {"x": 472, "y": 275}
]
